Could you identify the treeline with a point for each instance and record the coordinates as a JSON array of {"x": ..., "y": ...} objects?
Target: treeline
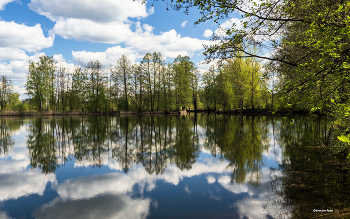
[{"x": 151, "y": 85}]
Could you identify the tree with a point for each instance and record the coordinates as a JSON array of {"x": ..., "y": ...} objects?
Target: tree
[
  {"x": 96, "y": 82},
  {"x": 183, "y": 68},
  {"x": 137, "y": 88},
  {"x": 14, "y": 102},
  {"x": 6, "y": 90},
  {"x": 146, "y": 65},
  {"x": 39, "y": 81},
  {"x": 123, "y": 68}
]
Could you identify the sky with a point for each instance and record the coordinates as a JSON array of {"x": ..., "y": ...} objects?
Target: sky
[{"x": 78, "y": 31}]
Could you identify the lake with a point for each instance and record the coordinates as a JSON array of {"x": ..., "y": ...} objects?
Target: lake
[{"x": 193, "y": 166}]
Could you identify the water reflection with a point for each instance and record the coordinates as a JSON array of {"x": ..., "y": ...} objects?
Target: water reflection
[
  {"x": 154, "y": 142},
  {"x": 153, "y": 167},
  {"x": 6, "y": 140},
  {"x": 312, "y": 179}
]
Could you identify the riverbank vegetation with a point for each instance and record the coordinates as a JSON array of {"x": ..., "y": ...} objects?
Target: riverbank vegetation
[{"x": 151, "y": 85}]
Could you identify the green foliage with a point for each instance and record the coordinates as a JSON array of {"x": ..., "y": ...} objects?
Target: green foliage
[
  {"x": 238, "y": 83},
  {"x": 6, "y": 94},
  {"x": 39, "y": 83}
]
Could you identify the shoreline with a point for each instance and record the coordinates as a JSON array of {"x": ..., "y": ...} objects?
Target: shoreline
[{"x": 245, "y": 112}]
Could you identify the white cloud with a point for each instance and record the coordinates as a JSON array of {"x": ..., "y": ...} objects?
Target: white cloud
[
  {"x": 102, "y": 206},
  {"x": 207, "y": 33},
  {"x": 24, "y": 37},
  {"x": 150, "y": 11},
  {"x": 17, "y": 70},
  {"x": 170, "y": 43},
  {"x": 245, "y": 208},
  {"x": 4, "y": 215},
  {"x": 109, "y": 57},
  {"x": 83, "y": 29},
  {"x": 98, "y": 11},
  {"x": 10, "y": 54},
  {"x": 3, "y": 3},
  {"x": 17, "y": 185},
  {"x": 13, "y": 166},
  {"x": 138, "y": 43},
  {"x": 236, "y": 22},
  {"x": 233, "y": 22},
  {"x": 225, "y": 181},
  {"x": 183, "y": 24},
  {"x": 58, "y": 58},
  {"x": 211, "y": 179}
]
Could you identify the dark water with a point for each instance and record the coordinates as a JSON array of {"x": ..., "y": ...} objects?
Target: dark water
[{"x": 204, "y": 166}]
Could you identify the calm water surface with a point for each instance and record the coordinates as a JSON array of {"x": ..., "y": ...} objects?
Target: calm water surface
[{"x": 194, "y": 166}]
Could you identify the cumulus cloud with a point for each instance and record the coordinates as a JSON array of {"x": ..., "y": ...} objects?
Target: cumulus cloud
[
  {"x": 109, "y": 57},
  {"x": 98, "y": 11},
  {"x": 207, "y": 33},
  {"x": 17, "y": 185},
  {"x": 17, "y": 70},
  {"x": 13, "y": 166},
  {"x": 103, "y": 206},
  {"x": 170, "y": 43},
  {"x": 9, "y": 54},
  {"x": 24, "y": 37},
  {"x": 138, "y": 43},
  {"x": 83, "y": 29},
  {"x": 183, "y": 24},
  {"x": 211, "y": 179},
  {"x": 225, "y": 181},
  {"x": 58, "y": 58},
  {"x": 3, "y": 3}
]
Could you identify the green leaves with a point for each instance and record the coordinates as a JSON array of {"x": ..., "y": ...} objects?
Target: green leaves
[
  {"x": 345, "y": 65},
  {"x": 344, "y": 138}
]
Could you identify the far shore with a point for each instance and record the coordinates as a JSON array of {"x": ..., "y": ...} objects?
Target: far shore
[{"x": 248, "y": 112}]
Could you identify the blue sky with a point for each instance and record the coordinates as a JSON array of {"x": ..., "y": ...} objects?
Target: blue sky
[{"x": 83, "y": 30}]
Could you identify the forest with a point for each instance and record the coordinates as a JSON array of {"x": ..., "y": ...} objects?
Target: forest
[{"x": 151, "y": 85}]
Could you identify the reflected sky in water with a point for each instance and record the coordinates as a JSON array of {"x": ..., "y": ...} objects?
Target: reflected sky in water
[{"x": 204, "y": 166}]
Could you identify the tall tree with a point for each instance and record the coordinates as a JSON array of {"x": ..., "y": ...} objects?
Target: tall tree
[
  {"x": 6, "y": 90},
  {"x": 39, "y": 81},
  {"x": 146, "y": 65},
  {"x": 124, "y": 71},
  {"x": 97, "y": 83},
  {"x": 183, "y": 68}
]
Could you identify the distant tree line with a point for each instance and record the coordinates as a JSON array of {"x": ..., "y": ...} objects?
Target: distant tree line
[{"x": 151, "y": 85}]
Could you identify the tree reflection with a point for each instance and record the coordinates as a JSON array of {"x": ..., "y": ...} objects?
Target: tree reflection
[
  {"x": 124, "y": 151},
  {"x": 308, "y": 177},
  {"x": 41, "y": 145},
  {"x": 241, "y": 141},
  {"x": 154, "y": 142},
  {"x": 6, "y": 140},
  {"x": 311, "y": 177}
]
